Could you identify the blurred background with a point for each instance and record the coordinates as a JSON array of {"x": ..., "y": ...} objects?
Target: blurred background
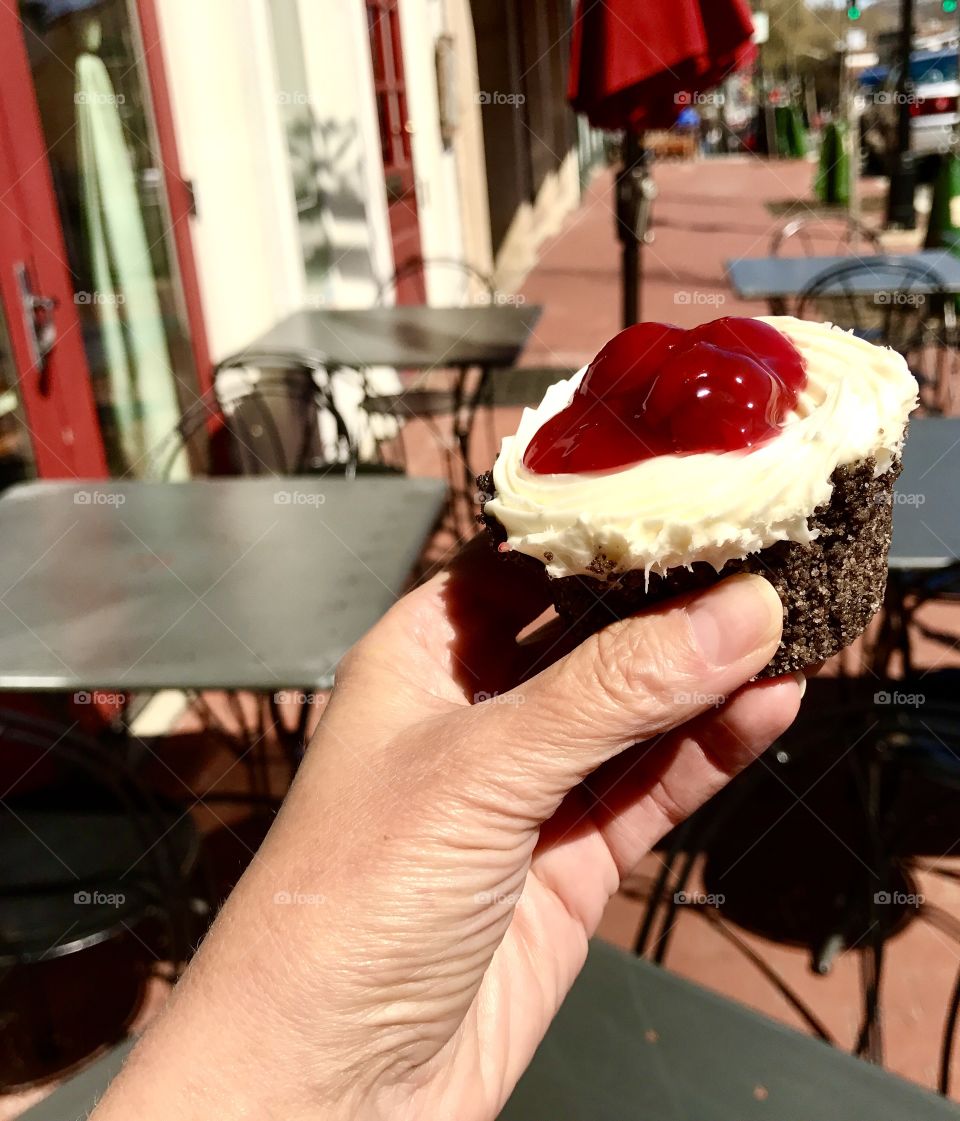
[{"x": 276, "y": 276}]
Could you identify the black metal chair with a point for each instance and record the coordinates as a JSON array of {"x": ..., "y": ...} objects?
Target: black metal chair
[
  {"x": 908, "y": 308},
  {"x": 824, "y": 236},
  {"x": 85, "y": 846},
  {"x": 90, "y": 858},
  {"x": 427, "y": 395},
  {"x": 475, "y": 285},
  {"x": 819, "y": 844},
  {"x": 279, "y": 413}
]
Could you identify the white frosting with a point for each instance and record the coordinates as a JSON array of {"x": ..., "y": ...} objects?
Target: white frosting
[{"x": 673, "y": 510}]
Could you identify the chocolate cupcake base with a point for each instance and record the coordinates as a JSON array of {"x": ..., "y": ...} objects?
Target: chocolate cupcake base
[{"x": 830, "y": 589}]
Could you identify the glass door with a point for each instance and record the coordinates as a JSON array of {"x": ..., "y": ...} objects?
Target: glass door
[{"x": 88, "y": 81}]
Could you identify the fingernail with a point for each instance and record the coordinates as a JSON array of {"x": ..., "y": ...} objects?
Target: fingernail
[
  {"x": 801, "y": 680},
  {"x": 738, "y": 616}
]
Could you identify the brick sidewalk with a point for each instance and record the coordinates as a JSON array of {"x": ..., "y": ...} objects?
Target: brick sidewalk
[{"x": 707, "y": 212}]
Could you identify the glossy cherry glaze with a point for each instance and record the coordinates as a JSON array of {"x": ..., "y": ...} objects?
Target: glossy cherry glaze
[{"x": 655, "y": 390}]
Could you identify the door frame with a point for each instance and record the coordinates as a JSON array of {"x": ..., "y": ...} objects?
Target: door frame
[
  {"x": 180, "y": 196},
  {"x": 57, "y": 401},
  {"x": 64, "y": 428}
]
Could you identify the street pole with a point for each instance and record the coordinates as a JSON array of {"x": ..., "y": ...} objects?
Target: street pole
[
  {"x": 636, "y": 191},
  {"x": 900, "y": 209}
]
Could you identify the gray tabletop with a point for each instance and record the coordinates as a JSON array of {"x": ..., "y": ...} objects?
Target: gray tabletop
[
  {"x": 633, "y": 1041},
  {"x": 926, "y": 513},
  {"x": 769, "y": 278},
  {"x": 406, "y": 336},
  {"x": 235, "y": 583}
]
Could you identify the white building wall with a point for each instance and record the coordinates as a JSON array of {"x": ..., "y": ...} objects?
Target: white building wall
[
  {"x": 340, "y": 78},
  {"x": 438, "y": 193},
  {"x": 231, "y": 100},
  {"x": 220, "y": 71}
]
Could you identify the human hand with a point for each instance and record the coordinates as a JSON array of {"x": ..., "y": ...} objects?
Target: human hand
[{"x": 452, "y": 855}]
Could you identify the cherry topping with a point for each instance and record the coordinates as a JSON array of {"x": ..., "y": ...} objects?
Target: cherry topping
[{"x": 656, "y": 389}]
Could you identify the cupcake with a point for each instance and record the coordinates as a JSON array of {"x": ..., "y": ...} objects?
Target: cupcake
[{"x": 676, "y": 458}]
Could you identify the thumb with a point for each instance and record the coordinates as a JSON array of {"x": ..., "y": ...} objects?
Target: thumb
[{"x": 632, "y": 680}]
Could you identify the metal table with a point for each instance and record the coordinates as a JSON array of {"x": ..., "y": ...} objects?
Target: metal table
[
  {"x": 924, "y": 559},
  {"x": 238, "y": 584},
  {"x": 478, "y": 337},
  {"x": 777, "y": 278},
  {"x": 408, "y": 336},
  {"x": 926, "y": 514},
  {"x": 633, "y": 1041}
]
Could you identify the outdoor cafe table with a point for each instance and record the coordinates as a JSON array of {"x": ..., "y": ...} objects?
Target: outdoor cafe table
[
  {"x": 926, "y": 513},
  {"x": 776, "y": 279},
  {"x": 237, "y": 584},
  {"x": 633, "y": 1041},
  {"x": 480, "y": 337}
]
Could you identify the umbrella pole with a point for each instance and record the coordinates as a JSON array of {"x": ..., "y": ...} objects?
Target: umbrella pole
[
  {"x": 627, "y": 228},
  {"x": 635, "y": 194}
]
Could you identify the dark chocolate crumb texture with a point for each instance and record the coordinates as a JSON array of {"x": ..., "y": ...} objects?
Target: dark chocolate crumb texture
[{"x": 830, "y": 589}]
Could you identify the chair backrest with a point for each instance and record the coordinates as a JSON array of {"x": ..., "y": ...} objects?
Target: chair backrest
[
  {"x": 905, "y": 306},
  {"x": 824, "y": 236},
  {"x": 282, "y": 418},
  {"x": 472, "y": 285}
]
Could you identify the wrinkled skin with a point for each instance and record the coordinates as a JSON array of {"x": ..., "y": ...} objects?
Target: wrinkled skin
[{"x": 468, "y": 806}]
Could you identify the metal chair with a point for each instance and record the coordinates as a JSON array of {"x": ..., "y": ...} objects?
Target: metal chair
[
  {"x": 824, "y": 236},
  {"x": 475, "y": 285},
  {"x": 86, "y": 848},
  {"x": 818, "y": 844},
  {"x": 427, "y": 398},
  {"x": 279, "y": 414},
  {"x": 94, "y": 866},
  {"x": 905, "y": 307}
]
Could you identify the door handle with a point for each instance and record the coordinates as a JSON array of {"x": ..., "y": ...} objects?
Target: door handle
[{"x": 37, "y": 318}]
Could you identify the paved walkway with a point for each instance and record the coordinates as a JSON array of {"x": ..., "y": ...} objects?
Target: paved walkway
[{"x": 706, "y": 213}]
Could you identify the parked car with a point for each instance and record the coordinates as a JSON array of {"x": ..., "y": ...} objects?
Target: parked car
[{"x": 932, "y": 100}]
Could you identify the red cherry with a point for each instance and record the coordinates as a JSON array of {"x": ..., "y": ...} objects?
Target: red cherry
[
  {"x": 762, "y": 342},
  {"x": 657, "y": 390},
  {"x": 630, "y": 358}
]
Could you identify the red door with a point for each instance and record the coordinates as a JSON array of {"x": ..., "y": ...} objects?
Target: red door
[
  {"x": 49, "y": 424},
  {"x": 106, "y": 345},
  {"x": 383, "y": 18}
]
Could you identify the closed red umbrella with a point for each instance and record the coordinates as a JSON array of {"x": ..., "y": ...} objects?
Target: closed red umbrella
[
  {"x": 631, "y": 58},
  {"x": 630, "y": 61}
]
